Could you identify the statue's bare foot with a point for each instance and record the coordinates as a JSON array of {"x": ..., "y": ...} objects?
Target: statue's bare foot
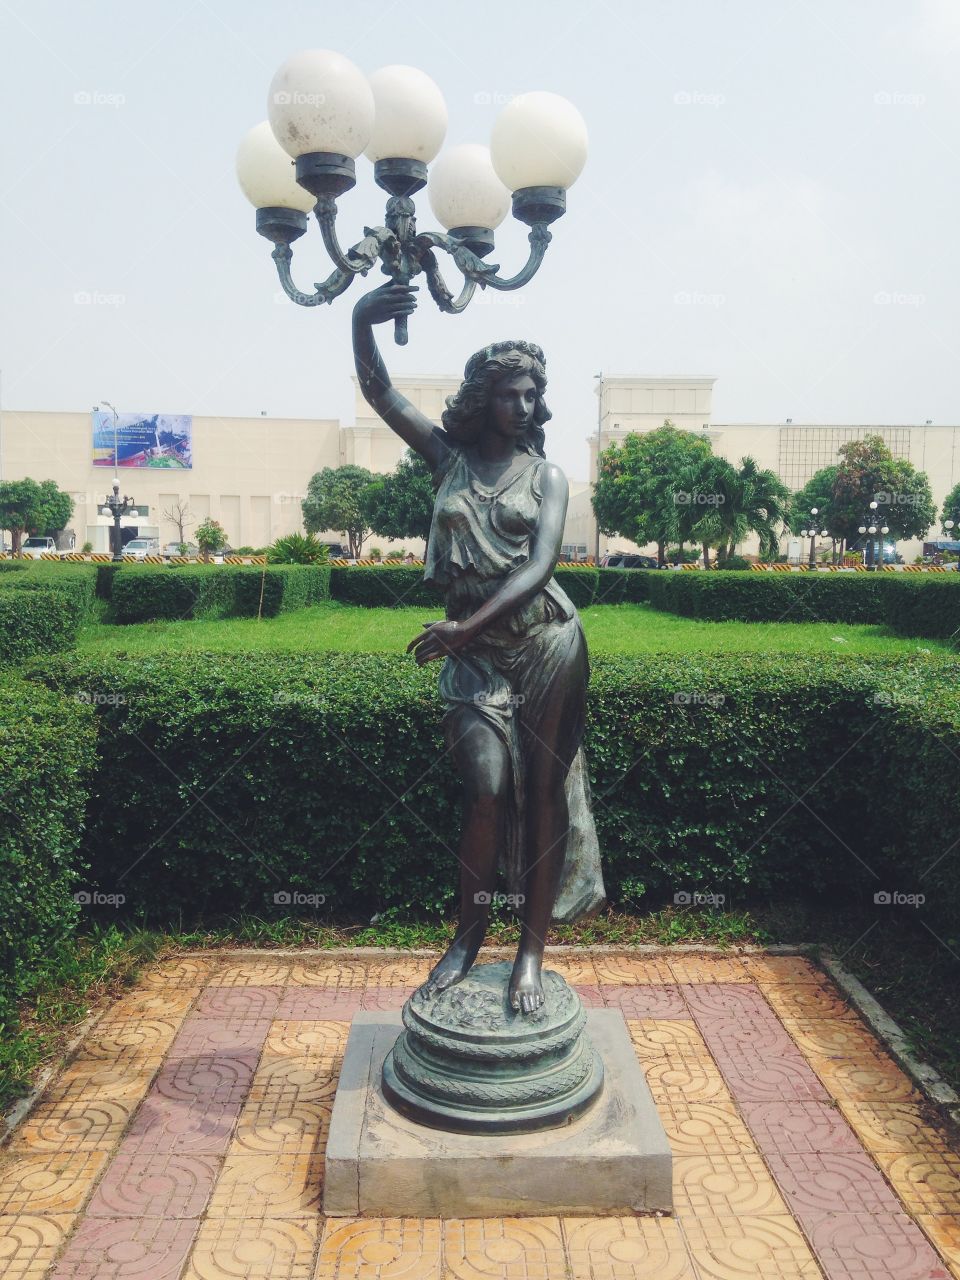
[
  {"x": 452, "y": 967},
  {"x": 526, "y": 988}
]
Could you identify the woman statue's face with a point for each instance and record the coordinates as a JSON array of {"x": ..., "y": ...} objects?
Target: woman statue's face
[{"x": 512, "y": 404}]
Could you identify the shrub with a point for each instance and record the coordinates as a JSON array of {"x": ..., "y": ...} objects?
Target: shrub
[
  {"x": 623, "y": 586},
  {"x": 390, "y": 586},
  {"x": 48, "y": 748},
  {"x": 77, "y": 583},
  {"x": 579, "y": 584},
  {"x": 734, "y": 563},
  {"x": 281, "y": 588},
  {"x": 177, "y": 592},
  {"x": 297, "y": 548},
  {"x": 35, "y": 622},
  {"x": 774, "y": 597},
  {"x": 928, "y": 606},
  {"x": 328, "y": 774}
]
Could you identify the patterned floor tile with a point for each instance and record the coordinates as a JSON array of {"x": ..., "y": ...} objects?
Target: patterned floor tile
[
  {"x": 506, "y": 1248},
  {"x": 381, "y": 1249},
  {"x": 646, "y": 1001},
  {"x": 260, "y": 1248},
  {"x": 252, "y": 973},
  {"x": 713, "y": 969},
  {"x": 201, "y": 1127},
  {"x": 282, "y": 1123},
  {"x": 48, "y": 1182},
  {"x": 832, "y": 1182},
  {"x": 295, "y": 1037},
  {"x": 401, "y": 973},
  {"x": 829, "y": 1038},
  {"x": 200, "y": 1036},
  {"x": 590, "y": 996},
  {"x": 206, "y": 1077},
  {"x": 704, "y": 1128},
  {"x": 804, "y": 1000},
  {"x": 76, "y": 1126},
  {"x": 132, "y": 1042},
  {"x": 91, "y": 1080},
  {"x": 727, "y": 1000},
  {"x": 309, "y": 1076},
  {"x": 897, "y": 1126},
  {"x": 626, "y": 1249},
  {"x": 324, "y": 1004},
  {"x": 257, "y": 1186},
  {"x": 766, "y": 1247},
  {"x": 686, "y": 1079},
  {"x": 182, "y": 973},
  {"x": 115, "y": 1248},
  {"x": 385, "y": 999},
  {"x": 333, "y": 973},
  {"x": 943, "y": 1231},
  {"x": 579, "y": 971},
  {"x": 169, "y": 1185},
  {"x": 758, "y": 1076},
  {"x": 743, "y": 1033},
  {"x": 864, "y": 1079},
  {"x": 781, "y": 969},
  {"x": 29, "y": 1243},
  {"x": 799, "y": 1128},
  {"x": 673, "y": 1039},
  {"x": 238, "y": 1002},
  {"x": 712, "y": 1184},
  {"x": 626, "y": 971},
  {"x": 165, "y": 1004},
  {"x": 851, "y": 1246},
  {"x": 926, "y": 1183}
]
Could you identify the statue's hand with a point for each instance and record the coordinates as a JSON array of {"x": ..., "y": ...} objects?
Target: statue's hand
[
  {"x": 389, "y": 302},
  {"x": 438, "y": 640}
]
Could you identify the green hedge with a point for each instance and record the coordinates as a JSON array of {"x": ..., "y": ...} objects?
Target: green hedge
[
  {"x": 226, "y": 778},
  {"x": 623, "y": 586},
  {"x": 35, "y": 622},
  {"x": 76, "y": 582},
  {"x": 783, "y": 597},
  {"x": 402, "y": 586},
  {"x": 928, "y": 606},
  {"x": 47, "y": 744},
  {"x": 148, "y": 594}
]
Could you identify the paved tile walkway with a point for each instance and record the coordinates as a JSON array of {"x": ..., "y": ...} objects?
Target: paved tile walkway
[{"x": 185, "y": 1140}]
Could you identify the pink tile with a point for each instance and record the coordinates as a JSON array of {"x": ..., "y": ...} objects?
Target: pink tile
[
  {"x": 832, "y": 1182},
  {"x": 318, "y": 1003},
  {"x": 802, "y": 1128},
  {"x": 205, "y": 1076},
  {"x": 115, "y": 1248},
  {"x": 199, "y": 1127},
  {"x": 647, "y": 1001},
  {"x": 170, "y": 1185},
  {"x": 225, "y": 1037},
  {"x": 852, "y": 1246},
  {"x": 238, "y": 1002},
  {"x": 715, "y": 999},
  {"x": 591, "y": 996},
  {"x": 744, "y": 1033},
  {"x": 756, "y": 1076}
]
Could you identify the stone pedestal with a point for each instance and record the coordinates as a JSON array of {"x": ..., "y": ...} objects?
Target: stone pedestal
[{"x": 613, "y": 1159}]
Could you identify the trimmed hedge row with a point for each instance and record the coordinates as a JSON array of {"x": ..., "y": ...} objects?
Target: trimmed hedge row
[
  {"x": 77, "y": 583},
  {"x": 327, "y": 775},
  {"x": 48, "y": 746},
  {"x": 402, "y": 586},
  {"x": 147, "y": 594},
  {"x": 33, "y": 622},
  {"x": 918, "y": 606}
]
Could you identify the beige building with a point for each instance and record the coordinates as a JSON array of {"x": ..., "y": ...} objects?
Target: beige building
[{"x": 251, "y": 474}]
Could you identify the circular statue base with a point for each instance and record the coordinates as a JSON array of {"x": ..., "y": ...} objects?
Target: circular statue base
[{"x": 468, "y": 1063}]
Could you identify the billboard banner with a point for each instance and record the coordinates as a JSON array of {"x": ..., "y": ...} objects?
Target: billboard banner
[{"x": 142, "y": 440}]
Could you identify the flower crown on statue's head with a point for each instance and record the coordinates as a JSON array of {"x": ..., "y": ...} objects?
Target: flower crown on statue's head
[{"x": 480, "y": 358}]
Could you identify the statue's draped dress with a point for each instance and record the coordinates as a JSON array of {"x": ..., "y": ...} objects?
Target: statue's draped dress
[{"x": 508, "y": 675}]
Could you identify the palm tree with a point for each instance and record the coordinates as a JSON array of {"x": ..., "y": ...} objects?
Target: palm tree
[
  {"x": 728, "y": 503},
  {"x": 763, "y": 505}
]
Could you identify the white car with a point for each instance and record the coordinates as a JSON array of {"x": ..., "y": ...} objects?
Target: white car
[
  {"x": 34, "y": 548},
  {"x": 138, "y": 548}
]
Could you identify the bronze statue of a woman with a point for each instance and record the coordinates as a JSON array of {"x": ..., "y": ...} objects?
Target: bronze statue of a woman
[{"x": 515, "y": 672}]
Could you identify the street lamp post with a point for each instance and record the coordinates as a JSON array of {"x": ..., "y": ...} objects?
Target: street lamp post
[
  {"x": 872, "y": 527},
  {"x": 323, "y": 113},
  {"x": 599, "y": 377},
  {"x": 117, "y": 507},
  {"x": 950, "y": 525},
  {"x": 811, "y": 533}
]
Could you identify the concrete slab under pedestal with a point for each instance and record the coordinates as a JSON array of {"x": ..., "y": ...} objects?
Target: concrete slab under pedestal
[{"x": 615, "y": 1159}]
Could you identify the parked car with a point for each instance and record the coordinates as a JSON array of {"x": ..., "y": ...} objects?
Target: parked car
[
  {"x": 139, "y": 548},
  {"x": 173, "y": 549},
  {"x": 620, "y": 560},
  {"x": 34, "y": 548}
]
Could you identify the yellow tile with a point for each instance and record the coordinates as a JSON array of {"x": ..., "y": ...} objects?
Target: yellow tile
[
  {"x": 29, "y": 1243},
  {"x": 330, "y": 973},
  {"x": 91, "y": 1079},
  {"x": 731, "y": 1247},
  {"x": 779, "y": 969},
  {"x": 926, "y": 1183},
  {"x": 686, "y": 1079},
  {"x": 805, "y": 1000},
  {"x": 380, "y": 1249},
  {"x": 728, "y": 1184},
  {"x": 261, "y": 1186},
  {"x": 665, "y": 1038},
  {"x": 252, "y": 973},
  {"x": 704, "y": 1128},
  {"x": 182, "y": 973},
  {"x": 626, "y": 1249},
  {"x": 896, "y": 1126},
  {"x": 705, "y": 968},
  {"x": 943, "y": 1231},
  {"x": 627, "y": 971},
  {"x": 254, "y": 1248},
  {"x": 76, "y": 1126},
  {"x": 865, "y": 1079},
  {"x": 401, "y": 973},
  {"x": 48, "y": 1182},
  {"x": 506, "y": 1248},
  {"x": 165, "y": 1004},
  {"x": 833, "y": 1038},
  {"x": 294, "y": 1038},
  {"x": 578, "y": 971}
]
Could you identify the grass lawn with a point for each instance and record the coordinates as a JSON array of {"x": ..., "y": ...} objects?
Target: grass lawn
[{"x": 627, "y": 629}]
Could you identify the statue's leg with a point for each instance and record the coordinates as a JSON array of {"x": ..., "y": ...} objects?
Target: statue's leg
[
  {"x": 483, "y": 762},
  {"x": 553, "y": 718}
]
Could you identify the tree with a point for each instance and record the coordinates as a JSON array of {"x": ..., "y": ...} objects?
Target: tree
[
  {"x": 868, "y": 472},
  {"x": 29, "y": 507},
  {"x": 639, "y": 482},
  {"x": 336, "y": 500},
  {"x": 400, "y": 504},
  {"x": 211, "y": 536},
  {"x": 179, "y": 514},
  {"x": 951, "y": 511},
  {"x": 817, "y": 492}
]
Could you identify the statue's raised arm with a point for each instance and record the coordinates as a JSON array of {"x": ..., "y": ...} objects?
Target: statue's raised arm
[{"x": 387, "y": 303}]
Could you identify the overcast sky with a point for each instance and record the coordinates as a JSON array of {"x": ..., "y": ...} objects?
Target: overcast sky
[{"x": 771, "y": 197}]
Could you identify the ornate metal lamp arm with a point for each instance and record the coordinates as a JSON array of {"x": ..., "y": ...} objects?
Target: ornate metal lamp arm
[
  {"x": 438, "y": 288},
  {"x": 473, "y": 268},
  {"x": 326, "y": 291},
  {"x": 539, "y": 238}
]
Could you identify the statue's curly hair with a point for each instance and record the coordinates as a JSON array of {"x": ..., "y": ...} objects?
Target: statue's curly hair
[{"x": 467, "y": 413}]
